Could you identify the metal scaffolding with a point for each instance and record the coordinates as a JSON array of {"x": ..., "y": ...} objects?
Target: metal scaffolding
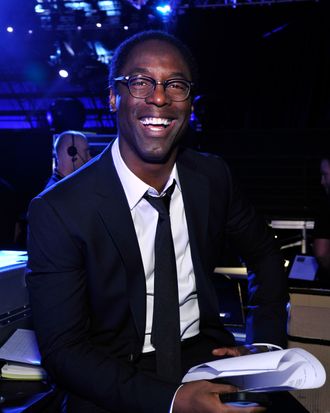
[{"x": 237, "y": 3}]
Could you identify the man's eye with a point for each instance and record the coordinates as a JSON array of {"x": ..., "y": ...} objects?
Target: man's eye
[
  {"x": 139, "y": 83},
  {"x": 177, "y": 85}
]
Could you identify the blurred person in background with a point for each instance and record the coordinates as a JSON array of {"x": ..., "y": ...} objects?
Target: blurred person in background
[
  {"x": 71, "y": 151},
  {"x": 321, "y": 234}
]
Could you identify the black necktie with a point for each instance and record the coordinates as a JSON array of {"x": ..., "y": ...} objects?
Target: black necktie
[{"x": 165, "y": 335}]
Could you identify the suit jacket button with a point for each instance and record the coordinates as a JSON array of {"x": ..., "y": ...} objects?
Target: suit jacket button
[{"x": 131, "y": 358}]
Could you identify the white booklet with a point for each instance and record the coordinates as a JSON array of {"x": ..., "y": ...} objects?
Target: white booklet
[
  {"x": 22, "y": 347},
  {"x": 290, "y": 369},
  {"x": 20, "y": 357}
]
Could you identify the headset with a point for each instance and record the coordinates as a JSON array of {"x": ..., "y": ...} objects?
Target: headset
[{"x": 72, "y": 150}]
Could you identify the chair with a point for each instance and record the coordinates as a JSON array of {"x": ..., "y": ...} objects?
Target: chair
[{"x": 230, "y": 296}]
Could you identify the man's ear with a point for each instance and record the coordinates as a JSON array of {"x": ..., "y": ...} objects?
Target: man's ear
[{"x": 112, "y": 100}]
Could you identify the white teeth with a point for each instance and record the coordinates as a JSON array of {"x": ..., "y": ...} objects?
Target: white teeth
[{"x": 155, "y": 121}]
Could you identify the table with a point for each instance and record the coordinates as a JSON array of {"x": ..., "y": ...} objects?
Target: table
[{"x": 14, "y": 298}]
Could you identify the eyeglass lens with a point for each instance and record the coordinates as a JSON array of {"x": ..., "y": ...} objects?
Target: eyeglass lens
[{"x": 141, "y": 87}]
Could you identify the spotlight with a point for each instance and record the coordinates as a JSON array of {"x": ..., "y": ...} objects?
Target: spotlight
[
  {"x": 39, "y": 9},
  {"x": 63, "y": 73},
  {"x": 164, "y": 9},
  {"x": 10, "y": 29}
]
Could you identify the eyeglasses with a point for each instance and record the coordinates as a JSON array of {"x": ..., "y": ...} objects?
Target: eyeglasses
[{"x": 141, "y": 87}]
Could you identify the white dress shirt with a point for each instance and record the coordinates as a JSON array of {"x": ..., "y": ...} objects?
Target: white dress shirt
[{"x": 145, "y": 219}]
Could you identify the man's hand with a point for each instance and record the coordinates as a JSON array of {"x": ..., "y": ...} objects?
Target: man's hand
[
  {"x": 202, "y": 396},
  {"x": 239, "y": 350}
]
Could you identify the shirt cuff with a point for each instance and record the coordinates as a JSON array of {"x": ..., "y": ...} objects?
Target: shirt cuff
[{"x": 270, "y": 347}]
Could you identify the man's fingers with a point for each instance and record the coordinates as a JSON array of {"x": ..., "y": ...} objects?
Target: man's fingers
[
  {"x": 236, "y": 351},
  {"x": 225, "y": 351}
]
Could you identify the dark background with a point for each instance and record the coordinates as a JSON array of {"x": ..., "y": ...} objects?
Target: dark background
[{"x": 264, "y": 87}]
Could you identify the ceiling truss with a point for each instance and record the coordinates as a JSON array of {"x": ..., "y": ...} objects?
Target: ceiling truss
[{"x": 18, "y": 103}]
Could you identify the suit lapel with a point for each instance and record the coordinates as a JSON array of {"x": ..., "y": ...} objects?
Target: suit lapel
[
  {"x": 196, "y": 191},
  {"x": 115, "y": 213}
]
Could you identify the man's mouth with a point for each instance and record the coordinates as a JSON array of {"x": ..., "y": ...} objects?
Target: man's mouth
[{"x": 156, "y": 122}]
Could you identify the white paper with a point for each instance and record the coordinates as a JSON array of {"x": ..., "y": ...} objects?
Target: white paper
[
  {"x": 290, "y": 369},
  {"x": 21, "y": 347}
]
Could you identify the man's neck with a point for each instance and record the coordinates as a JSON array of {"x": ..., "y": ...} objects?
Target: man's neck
[
  {"x": 65, "y": 170},
  {"x": 153, "y": 174}
]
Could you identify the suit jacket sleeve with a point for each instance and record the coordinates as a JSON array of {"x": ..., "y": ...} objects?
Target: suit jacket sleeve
[{"x": 267, "y": 281}]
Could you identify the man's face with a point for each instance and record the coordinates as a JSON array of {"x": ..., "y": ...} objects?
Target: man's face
[
  {"x": 325, "y": 175},
  {"x": 83, "y": 152},
  {"x": 150, "y": 128}
]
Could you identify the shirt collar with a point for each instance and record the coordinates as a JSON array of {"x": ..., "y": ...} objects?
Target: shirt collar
[{"x": 133, "y": 186}]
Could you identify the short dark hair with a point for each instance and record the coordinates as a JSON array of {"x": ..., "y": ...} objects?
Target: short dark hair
[{"x": 119, "y": 57}]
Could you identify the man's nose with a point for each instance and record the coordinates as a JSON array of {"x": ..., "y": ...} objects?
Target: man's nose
[{"x": 158, "y": 96}]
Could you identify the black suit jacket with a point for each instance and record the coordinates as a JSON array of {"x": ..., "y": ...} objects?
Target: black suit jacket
[{"x": 87, "y": 284}]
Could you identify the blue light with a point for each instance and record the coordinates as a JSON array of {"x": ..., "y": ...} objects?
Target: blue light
[
  {"x": 164, "y": 9},
  {"x": 39, "y": 8},
  {"x": 108, "y": 6},
  {"x": 277, "y": 29},
  {"x": 105, "y": 4},
  {"x": 78, "y": 5}
]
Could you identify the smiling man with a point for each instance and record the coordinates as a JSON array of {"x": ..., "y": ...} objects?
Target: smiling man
[{"x": 96, "y": 271}]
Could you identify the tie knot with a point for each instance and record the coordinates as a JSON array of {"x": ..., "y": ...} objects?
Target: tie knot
[{"x": 161, "y": 203}]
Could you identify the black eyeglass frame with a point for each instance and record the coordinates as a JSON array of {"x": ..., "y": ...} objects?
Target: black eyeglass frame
[{"x": 126, "y": 80}]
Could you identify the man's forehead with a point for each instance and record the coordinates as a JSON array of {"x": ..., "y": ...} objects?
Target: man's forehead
[{"x": 157, "y": 52}]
